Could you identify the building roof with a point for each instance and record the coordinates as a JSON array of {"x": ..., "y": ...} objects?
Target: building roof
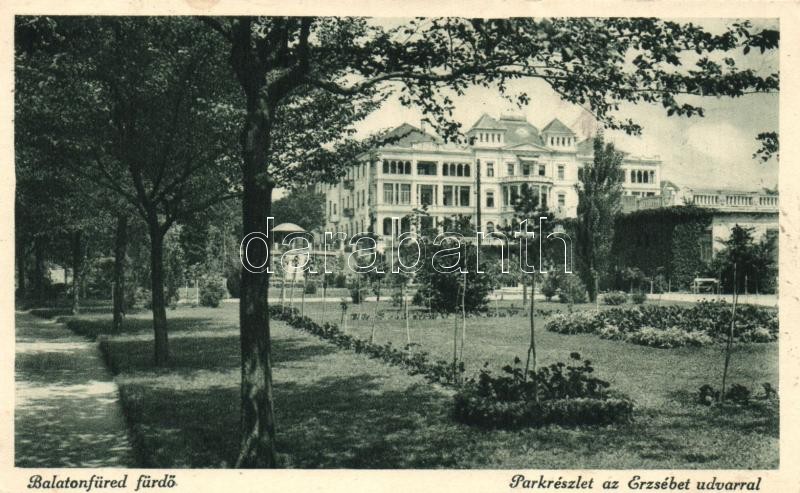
[
  {"x": 406, "y": 135},
  {"x": 486, "y": 122},
  {"x": 555, "y": 126},
  {"x": 519, "y": 131},
  {"x": 585, "y": 147},
  {"x": 288, "y": 228}
]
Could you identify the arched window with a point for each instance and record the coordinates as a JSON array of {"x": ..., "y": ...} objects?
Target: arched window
[
  {"x": 466, "y": 170},
  {"x": 460, "y": 170},
  {"x": 408, "y": 168},
  {"x": 385, "y": 166},
  {"x": 633, "y": 176},
  {"x": 445, "y": 169},
  {"x": 387, "y": 226},
  {"x": 452, "y": 169},
  {"x": 490, "y": 227},
  {"x": 639, "y": 176}
]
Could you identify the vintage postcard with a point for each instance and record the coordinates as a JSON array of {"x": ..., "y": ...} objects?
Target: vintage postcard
[{"x": 485, "y": 246}]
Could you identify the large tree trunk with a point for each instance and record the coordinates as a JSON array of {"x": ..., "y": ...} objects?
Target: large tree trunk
[
  {"x": 77, "y": 261},
  {"x": 257, "y": 448},
  {"x": 120, "y": 245},
  {"x": 159, "y": 305}
]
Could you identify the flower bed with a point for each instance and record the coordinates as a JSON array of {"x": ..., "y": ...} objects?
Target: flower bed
[
  {"x": 559, "y": 394},
  {"x": 672, "y": 326}
]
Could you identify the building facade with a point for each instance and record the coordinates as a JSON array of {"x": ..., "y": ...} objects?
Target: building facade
[{"x": 504, "y": 155}]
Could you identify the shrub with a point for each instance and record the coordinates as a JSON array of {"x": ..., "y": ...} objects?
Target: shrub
[
  {"x": 615, "y": 298},
  {"x": 573, "y": 323},
  {"x": 638, "y": 297},
  {"x": 211, "y": 291},
  {"x": 572, "y": 290},
  {"x": 357, "y": 293},
  {"x": 233, "y": 281},
  {"x": 549, "y": 287},
  {"x": 340, "y": 281},
  {"x": 668, "y": 338},
  {"x": 311, "y": 287}
]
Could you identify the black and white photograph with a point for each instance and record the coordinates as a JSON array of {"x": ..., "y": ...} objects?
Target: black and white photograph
[{"x": 515, "y": 242}]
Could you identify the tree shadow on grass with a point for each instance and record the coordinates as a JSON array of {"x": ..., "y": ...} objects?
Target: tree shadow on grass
[{"x": 92, "y": 327}]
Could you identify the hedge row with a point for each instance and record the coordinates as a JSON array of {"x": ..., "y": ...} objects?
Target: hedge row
[{"x": 415, "y": 362}]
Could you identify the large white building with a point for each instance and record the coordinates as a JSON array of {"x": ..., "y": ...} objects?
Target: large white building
[{"x": 417, "y": 169}]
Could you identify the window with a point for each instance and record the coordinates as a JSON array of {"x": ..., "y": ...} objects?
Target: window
[
  {"x": 463, "y": 196},
  {"x": 407, "y": 167},
  {"x": 490, "y": 199},
  {"x": 466, "y": 169},
  {"x": 544, "y": 198},
  {"x": 560, "y": 171},
  {"x": 426, "y": 168},
  {"x": 490, "y": 169},
  {"x": 385, "y": 166},
  {"x": 562, "y": 200},
  {"x": 388, "y": 193},
  {"x": 526, "y": 169},
  {"x": 405, "y": 193},
  {"x": 460, "y": 170},
  {"x": 426, "y": 195},
  {"x": 490, "y": 227},
  {"x": 542, "y": 170},
  {"x": 505, "y": 195},
  {"x": 633, "y": 176},
  {"x": 510, "y": 169},
  {"x": 448, "y": 195},
  {"x": 387, "y": 226}
]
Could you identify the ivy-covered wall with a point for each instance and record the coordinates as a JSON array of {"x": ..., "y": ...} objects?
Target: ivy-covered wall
[{"x": 663, "y": 241}]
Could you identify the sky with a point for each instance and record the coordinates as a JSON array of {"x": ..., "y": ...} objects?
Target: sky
[{"x": 711, "y": 151}]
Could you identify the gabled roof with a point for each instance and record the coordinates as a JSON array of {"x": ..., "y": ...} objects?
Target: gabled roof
[
  {"x": 406, "y": 135},
  {"x": 486, "y": 122},
  {"x": 555, "y": 126}
]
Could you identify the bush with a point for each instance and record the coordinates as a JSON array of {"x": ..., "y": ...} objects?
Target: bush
[
  {"x": 638, "y": 297},
  {"x": 668, "y": 338},
  {"x": 574, "y": 323},
  {"x": 211, "y": 292},
  {"x": 233, "y": 281},
  {"x": 340, "y": 281},
  {"x": 550, "y": 287},
  {"x": 358, "y": 293},
  {"x": 572, "y": 290},
  {"x": 311, "y": 287},
  {"x": 615, "y": 298}
]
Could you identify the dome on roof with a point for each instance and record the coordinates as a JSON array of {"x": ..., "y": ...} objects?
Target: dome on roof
[{"x": 288, "y": 228}]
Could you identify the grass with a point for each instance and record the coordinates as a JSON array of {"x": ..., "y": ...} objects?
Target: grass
[{"x": 338, "y": 409}]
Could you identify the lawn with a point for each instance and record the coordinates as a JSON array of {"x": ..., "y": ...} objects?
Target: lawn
[{"x": 336, "y": 408}]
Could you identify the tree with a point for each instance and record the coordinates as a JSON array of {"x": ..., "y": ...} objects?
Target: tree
[
  {"x": 303, "y": 207},
  {"x": 599, "y": 192},
  {"x": 754, "y": 262},
  {"x": 283, "y": 64},
  {"x": 149, "y": 89}
]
